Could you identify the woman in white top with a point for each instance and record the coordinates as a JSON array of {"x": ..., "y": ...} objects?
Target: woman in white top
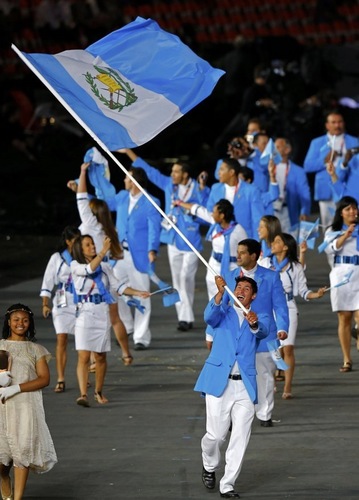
[
  {"x": 224, "y": 233},
  {"x": 58, "y": 276},
  {"x": 95, "y": 287},
  {"x": 97, "y": 221},
  {"x": 268, "y": 228},
  {"x": 343, "y": 249},
  {"x": 284, "y": 259}
]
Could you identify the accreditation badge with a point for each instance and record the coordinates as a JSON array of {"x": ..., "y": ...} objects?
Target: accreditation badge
[{"x": 61, "y": 300}]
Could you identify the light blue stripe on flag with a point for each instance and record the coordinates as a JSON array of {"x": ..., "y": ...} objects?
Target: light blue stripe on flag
[
  {"x": 131, "y": 84},
  {"x": 270, "y": 153}
]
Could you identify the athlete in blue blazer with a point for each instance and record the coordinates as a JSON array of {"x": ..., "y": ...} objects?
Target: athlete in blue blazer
[
  {"x": 271, "y": 300},
  {"x": 140, "y": 228},
  {"x": 246, "y": 198},
  {"x": 228, "y": 379},
  {"x": 315, "y": 162},
  {"x": 294, "y": 187},
  {"x": 138, "y": 225},
  {"x": 319, "y": 152},
  {"x": 231, "y": 342},
  {"x": 179, "y": 186}
]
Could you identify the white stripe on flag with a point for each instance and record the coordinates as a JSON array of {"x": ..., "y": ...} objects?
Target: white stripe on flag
[{"x": 135, "y": 117}]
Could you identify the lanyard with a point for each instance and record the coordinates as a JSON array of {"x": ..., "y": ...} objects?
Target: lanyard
[
  {"x": 176, "y": 188},
  {"x": 285, "y": 177},
  {"x": 90, "y": 291}
]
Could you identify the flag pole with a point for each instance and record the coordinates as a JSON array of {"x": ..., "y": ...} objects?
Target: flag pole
[
  {"x": 332, "y": 152},
  {"x": 119, "y": 164}
]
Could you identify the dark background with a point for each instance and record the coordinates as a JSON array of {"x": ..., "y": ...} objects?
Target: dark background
[{"x": 308, "y": 50}]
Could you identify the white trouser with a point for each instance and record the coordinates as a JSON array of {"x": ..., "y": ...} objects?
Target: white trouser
[
  {"x": 265, "y": 385},
  {"x": 234, "y": 406},
  {"x": 283, "y": 216},
  {"x": 140, "y": 322},
  {"x": 183, "y": 270},
  {"x": 326, "y": 210}
]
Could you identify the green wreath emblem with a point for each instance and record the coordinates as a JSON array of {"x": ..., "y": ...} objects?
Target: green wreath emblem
[{"x": 121, "y": 93}]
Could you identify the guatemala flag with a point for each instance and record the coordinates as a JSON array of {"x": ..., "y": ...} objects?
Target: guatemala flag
[
  {"x": 308, "y": 231},
  {"x": 130, "y": 85},
  {"x": 270, "y": 153}
]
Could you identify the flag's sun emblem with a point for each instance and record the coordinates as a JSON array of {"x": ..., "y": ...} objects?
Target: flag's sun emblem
[{"x": 119, "y": 92}]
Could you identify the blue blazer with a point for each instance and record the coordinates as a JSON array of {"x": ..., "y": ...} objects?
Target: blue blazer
[
  {"x": 350, "y": 177},
  {"x": 187, "y": 224},
  {"x": 261, "y": 175},
  {"x": 340, "y": 189},
  {"x": 269, "y": 197},
  {"x": 140, "y": 228},
  {"x": 248, "y": 205},
  {"x": 314, "y": 162},
  {"x": 298, "y": 193},
  {"x": 270, "y": 300},
  {"x": 231, "y": 342}
]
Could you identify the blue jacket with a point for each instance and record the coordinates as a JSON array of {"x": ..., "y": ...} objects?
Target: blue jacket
[
  {"x": 187, "y": 224},
  {"x": 298, "y": 196},
  {"x": 140, "y": 228},
  {"x": 269, "y": 197},
  {"x": 340, "y": 189},
  {"x": 248, "y": 205},
  {"x": 261, "y": 175},
  {"x": 231, "y": 342},
  {"x": 270, "y": 300},
  {"x": 349, "y": 176},
  {"x": 314, "y": 162}
]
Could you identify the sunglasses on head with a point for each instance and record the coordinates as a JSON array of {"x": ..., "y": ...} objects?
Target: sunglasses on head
[{"x": 235, "y": 144}]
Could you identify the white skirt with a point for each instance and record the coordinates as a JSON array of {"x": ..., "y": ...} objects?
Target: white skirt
[
  {"x": 92, "y": 328},
  {"x": 64, "y": 319},
  {"x": 345, "y": 297},
  {"x": 293, "y": 324}
]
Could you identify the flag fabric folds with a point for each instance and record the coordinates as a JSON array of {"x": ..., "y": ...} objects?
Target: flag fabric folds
[
  {"x": 308, "y": 231},
  {"x": 270, "y": 153},
  {"x": 273, "y": 347},
  {"x": 130, "y": 85},
  {"x": 345, "y": 280}
]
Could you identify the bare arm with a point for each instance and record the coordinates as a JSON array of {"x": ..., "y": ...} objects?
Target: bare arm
[
  {"x": 96, "y": 261},
  {"x": 303, "y": 247},
  {"x": 136, "y": 293},
  {"x": 46, "y": 309},
  {"x": 342, "y": 239},
  {"x": 82, "y": 187},
  {"x": 42, "y": 380},
  {"x": 318, "y": 294}
]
